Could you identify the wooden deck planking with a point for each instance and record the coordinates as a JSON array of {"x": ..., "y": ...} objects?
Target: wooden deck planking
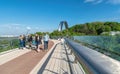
[{"x": 58, "y": 63}]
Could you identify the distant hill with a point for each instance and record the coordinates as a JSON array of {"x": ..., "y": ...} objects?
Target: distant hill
[{"x": 93, "y": 28}]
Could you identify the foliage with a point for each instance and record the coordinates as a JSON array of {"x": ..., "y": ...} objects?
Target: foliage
[
  {"x": 40, "y": 33},
  {"x": 93, "y": 28}
]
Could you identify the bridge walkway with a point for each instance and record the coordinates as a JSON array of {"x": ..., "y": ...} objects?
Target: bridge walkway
[
  {"x": 58, "y": 62},
  {"x": 54, "y": 61}
]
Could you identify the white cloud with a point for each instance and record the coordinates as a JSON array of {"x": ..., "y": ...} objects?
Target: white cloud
[
  {"x": 113, "y": 1},
  {"x": 93, "y": 1},
  {"x": 86, "y": 1},
  {"x": 17, "y": 29},
  {"x": 36, "y": 28},
  {"x": 12, "y": 29},
  {"x": 28, "y": 28},
  {"x": 101, "y": 1},
  {"x": 110, "y": 19},
  {"x": 115, "y": 18}
]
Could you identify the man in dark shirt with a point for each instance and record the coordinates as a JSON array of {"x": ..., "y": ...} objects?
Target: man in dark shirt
[{"x": 30, "y": 40}]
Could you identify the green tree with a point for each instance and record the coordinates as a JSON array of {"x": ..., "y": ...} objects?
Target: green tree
[
  {"x": 107, "y": 28},
  {"x": 39, "y": 33},
  {"x": 93, "y": 28}
]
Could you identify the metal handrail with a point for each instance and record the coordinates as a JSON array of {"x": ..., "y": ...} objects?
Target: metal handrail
[{"x": 92, "y": 61}]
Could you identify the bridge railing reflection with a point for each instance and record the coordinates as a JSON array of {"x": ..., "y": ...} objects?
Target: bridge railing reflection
[{"x": 92, "y": 61}]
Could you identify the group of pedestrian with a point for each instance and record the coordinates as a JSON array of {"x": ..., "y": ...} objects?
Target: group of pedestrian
[{"x": 34, "y": 41}]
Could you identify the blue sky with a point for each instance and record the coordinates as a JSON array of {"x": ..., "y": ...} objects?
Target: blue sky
[{"x": 17, "y": 16}]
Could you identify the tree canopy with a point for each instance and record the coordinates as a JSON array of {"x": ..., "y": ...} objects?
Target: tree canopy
[{"x": 93, "y": 28}]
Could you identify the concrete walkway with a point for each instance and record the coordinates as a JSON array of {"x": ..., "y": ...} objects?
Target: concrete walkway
[
  {"x": 55, "y": 61},
  {"x": 58, "y": 63},
  {"x": 21, "y": 61},
  {"x": 11, "y": 54}
]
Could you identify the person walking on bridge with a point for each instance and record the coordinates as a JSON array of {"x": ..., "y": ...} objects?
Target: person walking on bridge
[
  {"x": 30, "y": 39},
  {"x": 46, "y": 40},
  {"x": 37, "y": 41}
]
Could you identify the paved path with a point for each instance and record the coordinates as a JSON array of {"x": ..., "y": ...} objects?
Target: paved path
[
  {"x": 7, "y": 56},
  {"x": 23, "y": 63},
  {"x": 53, "y": 61}
]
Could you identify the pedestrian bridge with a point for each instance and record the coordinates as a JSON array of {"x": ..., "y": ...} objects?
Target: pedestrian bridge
[
  {"x": 61, "y": 58},
  {"x": 71, "y": 58}
]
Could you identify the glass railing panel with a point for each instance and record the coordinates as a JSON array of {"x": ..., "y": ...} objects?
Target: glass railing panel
[
  {"x": 109, "y": 45},
  {"x": 8, "y": 43}
]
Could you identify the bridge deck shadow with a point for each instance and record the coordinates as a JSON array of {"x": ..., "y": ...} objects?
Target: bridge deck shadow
[{"x": 56, "y": 63}]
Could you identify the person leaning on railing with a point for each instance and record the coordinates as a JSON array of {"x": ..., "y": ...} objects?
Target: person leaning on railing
[
  {"x": 20, "y": 42},
  {"x": 24, "y": 41}
]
